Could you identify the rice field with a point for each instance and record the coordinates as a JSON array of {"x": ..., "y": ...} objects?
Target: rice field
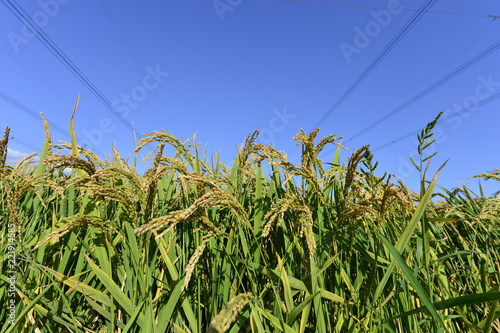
[{"x": 192, "y": 245}]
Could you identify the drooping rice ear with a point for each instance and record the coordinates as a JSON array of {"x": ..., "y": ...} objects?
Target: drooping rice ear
[{"x": 3, "y": 148}]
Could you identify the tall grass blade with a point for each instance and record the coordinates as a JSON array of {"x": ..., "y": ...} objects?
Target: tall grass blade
[{"x": 408, "y": 273}]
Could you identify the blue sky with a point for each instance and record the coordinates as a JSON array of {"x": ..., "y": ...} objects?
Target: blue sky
[{"x": 224, "y": 68}]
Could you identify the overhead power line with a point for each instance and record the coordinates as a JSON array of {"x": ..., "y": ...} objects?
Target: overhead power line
[
  {"x": 30, "y": 112},
  {"x": 15, "y": 59},
  {"x": 395, "y": 8},
  {"x": 377, "y": 60},
  {"x": 23, "y": 142},
  {"x": 35, "y": 115},
  {"x": 14, "y": 7},
  {"x": 130, "y": 50},
  {"x": 387, "y": 49},
  {"x": 432, "y": 87},
  {"x": 481, "y": 103}
]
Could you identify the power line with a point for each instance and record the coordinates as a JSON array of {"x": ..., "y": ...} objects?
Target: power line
[
  {"x": 34, "y": 115},
  {"x": 47, "y": 84},
  {"x": 433, "y": 86},
  {"x": 130, "y": 50},
  {"x": 395, "y": 8},
  {"x": 30, "y": 112},
  {"x": 481, "y": 103},
  {"x": 402, "y": 32},
  {"x": 323, "y": 85},
  {"x": 377, "y": 60},
  {"x": 447, "y": 62},
  {"x": 25, "y": 143},
  {"x": 54, "y": 49}
]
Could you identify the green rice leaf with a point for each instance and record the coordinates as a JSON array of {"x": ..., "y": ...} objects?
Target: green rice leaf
[
  {"x": 114, "y": 290},
  {"x": 456, "y": 301},
  {"x": 408, "y": 273}
]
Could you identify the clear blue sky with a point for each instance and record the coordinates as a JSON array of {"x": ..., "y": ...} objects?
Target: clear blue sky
[{"x": 225, "y": 68}]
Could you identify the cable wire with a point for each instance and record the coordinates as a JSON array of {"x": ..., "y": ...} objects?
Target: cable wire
[
  {"x": 402, "y": 32},
  {"x": 25, "y": 143},
  {"x": 432, "y": 87},
  {"x": 377, "y": 60},
  {"x": 48, "y": 85},
  {"x": 54, "y": 49},
  {"x": 34, "y": 115},
  {"x": 395, "y": 8},
  {"x": 30, "y": 112},
  {"x": 130, "y": 51},
  {"x": 481, "y": 103}
]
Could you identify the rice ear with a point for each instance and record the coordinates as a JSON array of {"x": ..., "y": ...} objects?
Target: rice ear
[{"x": 3, "y": 149}]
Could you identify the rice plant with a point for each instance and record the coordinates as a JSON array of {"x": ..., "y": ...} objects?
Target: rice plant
[{"x": 192, "y": 245}]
